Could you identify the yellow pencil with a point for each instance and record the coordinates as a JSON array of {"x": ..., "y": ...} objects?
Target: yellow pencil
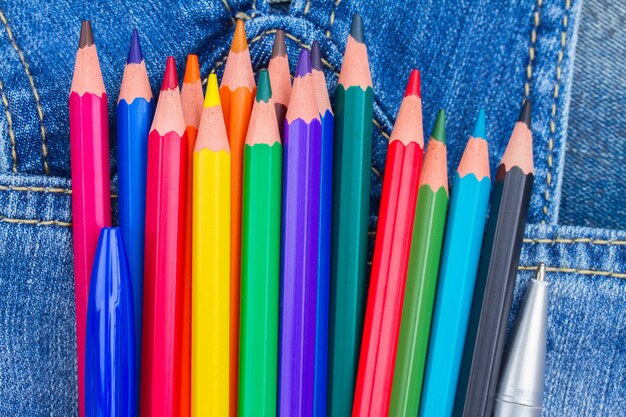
[{"x": 211, "y": 262}]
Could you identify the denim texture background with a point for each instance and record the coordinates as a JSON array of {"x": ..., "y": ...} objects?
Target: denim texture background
[{"x": 472, "y": 54}]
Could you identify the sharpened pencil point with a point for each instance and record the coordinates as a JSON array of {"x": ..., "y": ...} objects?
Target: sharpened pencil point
[
  {"x": 304, "y": 63},
  {"x": 414, "y": 85},
  {"x": 192, "y": 69},
  {"x": 170, "y": 78},
  {"x": 264, "y": 88},
  {"x": 316, "y": 57},
  {"x": 279, "y": 48},
  {"x": 240, "y": 43},
  {"x": 524, "y": 115},
  {"x": 480, "y": 129},
  {"x": 135, "y": 56},
  {"x": 356, "y": 30},
  {"x": 212, "y": 97},
  {"x": 86, "y": 34},
  {"x": 541, "y": 272},
  {"x": 439, "y": 131}
]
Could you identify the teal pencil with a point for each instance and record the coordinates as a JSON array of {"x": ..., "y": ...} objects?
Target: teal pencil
[{"x": 464, "y": 232}]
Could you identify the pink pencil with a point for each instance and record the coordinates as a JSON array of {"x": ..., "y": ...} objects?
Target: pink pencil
[{"x": 91, "y": 195}]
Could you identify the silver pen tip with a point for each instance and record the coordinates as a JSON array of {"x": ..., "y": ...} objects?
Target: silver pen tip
[{"x": 541, "y": 272}]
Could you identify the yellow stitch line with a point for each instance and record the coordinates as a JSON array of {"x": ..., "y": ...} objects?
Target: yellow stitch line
[
  {"x": 576, "y": 271},
  {"x": 35, "y": 222},
  {"x": 227, "y": 7},
  {"x": 44, "y": 148},
  {"x": 531, "y": 50},
  {"x": 36, "y": 189},
  {"x": 585, "y": 240},
  {"x": 307, "y": 7},
  {"x": 332, "y": 17},
  {"x": 378, "y": 174},
  {"x": 5, "y": 102}
]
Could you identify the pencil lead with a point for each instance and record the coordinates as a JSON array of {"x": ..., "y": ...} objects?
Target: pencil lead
[
  {"x": 304, "y": 63},
  {"x": 480, "y": 130},
  {"x": 439, "y": 131},
  {"x": 240, "y": 42},
  {"x": 192, "y": 69},
  {"x": 279, "y": 48},
  {"x": 264, "y": 89},
  {"x": 524, "y": 116},
  {"x": 413, "y": 87},
  {"x": 212, "y": 97},
  {"x": 135, "y": 56},
  {"x": 170, "y": 78},
  {"x": 541, "y": 272},
  {"x": 356, "y": 30},
  {"x": 316, "y": 57},
  {"x": 86, "y": 34}
]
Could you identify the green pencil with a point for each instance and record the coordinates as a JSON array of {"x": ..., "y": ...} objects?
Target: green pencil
[
  {"x": 421, "y": 282},
  {"x": 350, "y": 215},
  {"x": 260, "y": 262}
]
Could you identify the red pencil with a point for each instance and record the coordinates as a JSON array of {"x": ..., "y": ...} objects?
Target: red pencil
[
  {"x": 391, "y": 257},
  {"x": 164, "y": 253},
  {"x": 91, "y": 196}
]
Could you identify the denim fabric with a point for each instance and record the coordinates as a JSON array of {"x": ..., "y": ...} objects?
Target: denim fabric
[{"x": 476, "y": 53}]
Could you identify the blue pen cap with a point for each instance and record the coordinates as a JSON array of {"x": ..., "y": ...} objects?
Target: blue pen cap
[{"x": 110, "y": 341}]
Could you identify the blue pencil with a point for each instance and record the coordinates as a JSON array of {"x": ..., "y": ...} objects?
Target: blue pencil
[
  {"x": 135, "y": 108},
  {"x": 110, "y": 333},
  {"x": 326, "y": 192},
  {"x": 464, "y": 233}
]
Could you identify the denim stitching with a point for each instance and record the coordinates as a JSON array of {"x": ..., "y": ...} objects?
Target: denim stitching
[
  {"x": 253, "y": 9},
  {"x": 42, "y": 128},
  {"x": 555, "y": 94},
  {"x": 307, "y": 7},
  {"x": 581, "y": 240},
  {"x": 230, "y": 13},
  {"x": 576, "y": 271},
  {"x": 5, "y": 102},
  {"x": 35, "y": 222},
  {"x": 332, "y": 18},
  {"x": 531, "y": 51},
  {"x": 36, "y": 189}
]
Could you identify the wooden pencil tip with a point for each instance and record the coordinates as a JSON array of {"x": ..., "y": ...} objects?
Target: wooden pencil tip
[
  {"x": 439, "y": 131},
  {"x": 413, "y": 87},
  {"x": 280, "y": 47},
  {"x": 525, "y": 114},
  {"x": 264, "y": 88},
  {"x": 356, "y": 30},
  {"x": 240, "y": 42},
  {"x": 135, "y": 56},
  {"x": 316, "y": 56},
  {"x": 304, "y": 63},
  {"x": 86, "y": 34},
  {"x": 192, "y": 69},
  {"x": 480, "y": 129},
  {"x": 212, "y": 97},
  {"x": 170, "y": 78}
]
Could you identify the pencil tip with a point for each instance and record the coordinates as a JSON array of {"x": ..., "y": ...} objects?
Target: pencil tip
[
  {"x": 414, "y": 85},
  {"x": 212, "y": 97},
  {"x": 439, "y": 131},
  {"x": 356, "y": 30},
  {"x": 240, "y": 42},
  {"x": 264, "y": 88},
  {"x": 541, "y": 272},
  {"x": 316, "y": 57},
  {"x": 170, "y": 77},
  {"x": 304, "y": 63},
  {"x": 524, "y": 115},
  {"x": 480, "y": 129},
  {"x": 135, "y": 56},
  {"x": 192, "y": 69},
  {"x": 279, "y": 48},
  {"x": 86, "y": 34}
]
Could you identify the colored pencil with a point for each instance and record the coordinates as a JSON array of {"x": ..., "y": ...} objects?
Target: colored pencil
[
  {"x": 164, "y": 253},
  {"x": 110, "y": 342},
  {"x": 135, "y": 108},
  {"x": 280, "y": 77},
  {"x": 464, "y": 234},
  {"x": 91, "y": 196},
  {"x": 191, "y": 98},
  {"x": 391, "y": 257},
  {"x": 421, "y": 281},
  {"x": 299, "y": 246},
  {"x": 260, "y": 258},
  {"x": 497, "y": 270},
  {"x": 351, "y": 191},
  {"x": 211, "y": 261},
  {"x": 237, "y": 94},
  {"x": 326, "y": 194}
]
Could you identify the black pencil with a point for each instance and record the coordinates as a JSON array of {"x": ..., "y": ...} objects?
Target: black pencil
[{"x": 499, "y": 260}]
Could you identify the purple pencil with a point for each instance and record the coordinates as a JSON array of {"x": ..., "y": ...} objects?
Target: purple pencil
[{"x": 299, "y": 245}]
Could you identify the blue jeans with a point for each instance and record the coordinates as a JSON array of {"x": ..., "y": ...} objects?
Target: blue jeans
[{"x": 472, "y": 54}]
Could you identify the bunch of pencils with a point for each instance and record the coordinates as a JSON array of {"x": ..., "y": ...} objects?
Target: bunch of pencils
[{"x": 237, "y": 282}]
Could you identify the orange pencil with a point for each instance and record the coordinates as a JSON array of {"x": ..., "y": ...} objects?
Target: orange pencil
[
  {"x": 237, "y": 94},
  {"x": 280, "y": 78},
  {"x": 192, "y": 98}
]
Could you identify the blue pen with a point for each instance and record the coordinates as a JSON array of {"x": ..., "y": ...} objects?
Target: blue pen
[
  {"x": 464, "y": 232},
  {"x": 135, "y": 108},
  {"x": 110, "y": 333}
]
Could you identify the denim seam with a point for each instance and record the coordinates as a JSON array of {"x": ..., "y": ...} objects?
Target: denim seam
[
  {"x": 42, "y": 128},
  {"x": 36, "y": 189},
  {"x": 576, "y": 271},
  {"x": 230, "y": 13},
  {"x": 35, "y": 222},
  {"x": 531, "y": 51},
  {"x": 307, "y": 7},
  {"x": 553, "y": 111},
  {"x": 583, "y": 240},
  {"x": 332, "y": 18},
  {"x": 7, "y": 111}
]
